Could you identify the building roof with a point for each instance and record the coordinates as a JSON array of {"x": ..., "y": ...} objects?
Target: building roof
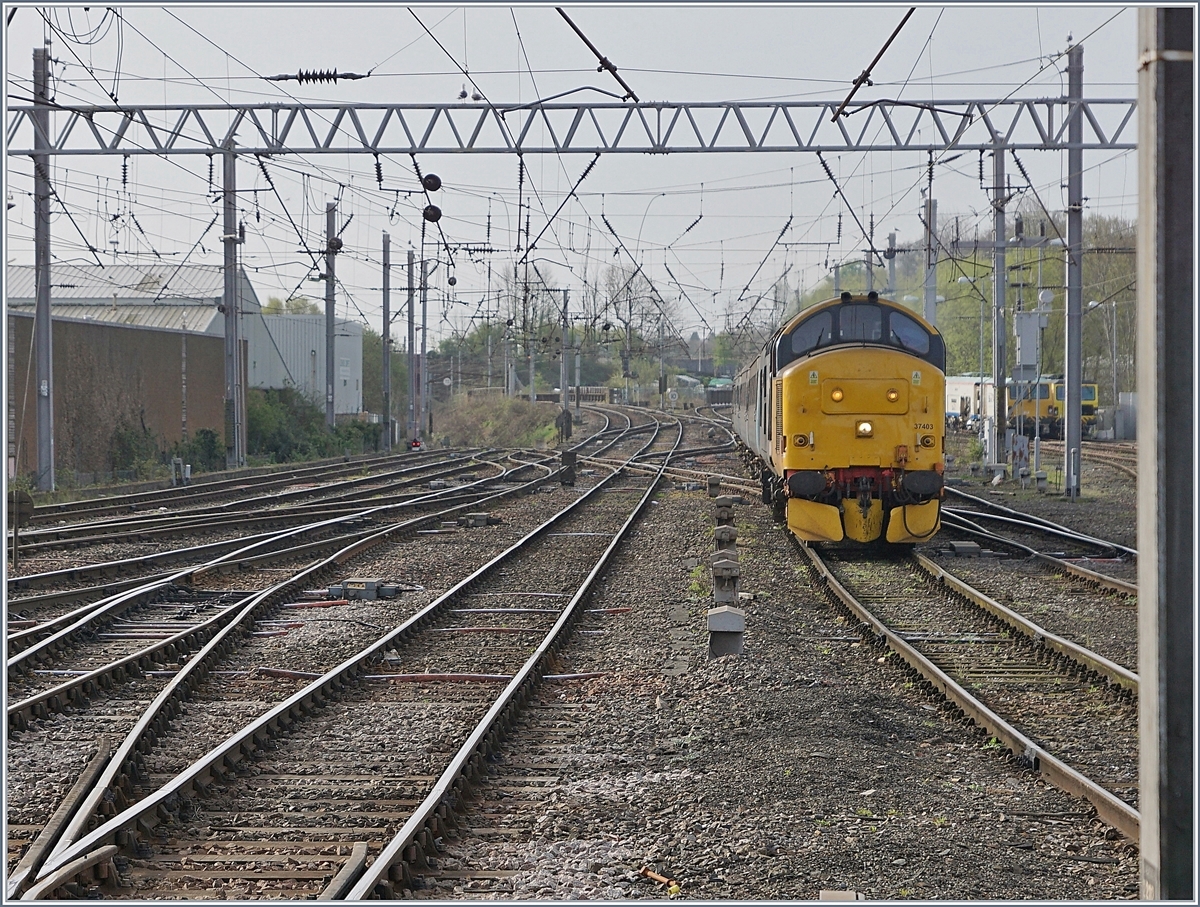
[
  {"x": 160, "y": 295},
  {"x": 161, "y": 282},
  {"x": 200, "y": 319}
]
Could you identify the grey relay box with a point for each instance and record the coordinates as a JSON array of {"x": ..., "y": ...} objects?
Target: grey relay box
[{"x": 364, "y": 589}]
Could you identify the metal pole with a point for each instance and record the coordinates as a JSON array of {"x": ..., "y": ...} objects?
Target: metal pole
[
  {"x": 387, "y": 344},
  {"x": 411, "y": 424},
  {"x": 330, "y": 230},
  {"x": 424, "y": 338},
  {"x": 870, "y": 270},
  {"x": 999, "y": 295},
  {"x": 42, "y": 327},
  {"x": 233, "y": 424},
  {"x": 931, "y": 261},
  {"x": 577, "y": 363},
  {"x": 1072, "y": 410},
  {"x": 837, "y": 279},
  {"x": 12, "y": 400},
  {"x": 489, "y": 367},
  {"x": 562, "y": 381},
  {"x": 183, "y": 434},
  {"x": 662, "y": 368},
  {"x": 1166, "y": 492},
  {"x": 1116, "y": 397}
]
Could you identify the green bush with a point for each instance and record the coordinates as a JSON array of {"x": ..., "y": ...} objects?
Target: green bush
[
  {"x": 283, "y": 426},
  {"x": 975, "y": 450}
]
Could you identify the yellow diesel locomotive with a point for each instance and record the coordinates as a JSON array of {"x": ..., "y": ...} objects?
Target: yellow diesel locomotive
[{"x": 843, "y": 415}]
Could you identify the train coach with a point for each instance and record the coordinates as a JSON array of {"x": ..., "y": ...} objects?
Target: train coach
[{"x": 843, "y": 416}]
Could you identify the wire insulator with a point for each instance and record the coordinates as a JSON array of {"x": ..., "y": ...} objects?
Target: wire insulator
[
  {"x": 1021, "y": 167},
  {"x": 839, "y": 233},
  {"x": 263, "y": 167},
  {"x": 210, "y": 173},
  {"x": 378, "y": 171},
  {"x": 317, "y": 75},
  {"x": 125, "y": 170},
  {"x": 980, "y": 168}
]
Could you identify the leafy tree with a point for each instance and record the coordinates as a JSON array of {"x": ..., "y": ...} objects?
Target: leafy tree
[
  {"x": 372, "y": 376},
  {"x": 296, "y": 305}
]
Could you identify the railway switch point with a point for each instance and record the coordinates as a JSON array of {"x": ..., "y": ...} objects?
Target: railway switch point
[
  {"x": 726, "y": 630},
  {"x": 714, "y": 486}
]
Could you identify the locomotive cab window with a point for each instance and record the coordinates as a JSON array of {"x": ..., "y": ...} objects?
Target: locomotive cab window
[
  {"x": 908, "y": 334},
  {"x": 812, "y": 333},
  {"x": 860, "y": 322}
]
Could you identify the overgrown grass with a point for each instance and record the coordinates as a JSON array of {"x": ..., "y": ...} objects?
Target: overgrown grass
[{"x": 495, "y": 422}]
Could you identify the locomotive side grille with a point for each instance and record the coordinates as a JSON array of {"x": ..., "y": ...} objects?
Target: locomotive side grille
[{"x": 779, "y": 438}]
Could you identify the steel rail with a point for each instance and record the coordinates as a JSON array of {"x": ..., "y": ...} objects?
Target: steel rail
[
  {"x": 76, "y": 690},
  {"x": 108, "y": 568},
  {"x": 184, "y": 522},
  {"x": 1067, "y": 534},
  {"x": 419, "y": 832},
  {"x": 140, "y": 818},
  {"x": 339, "y": 491},
  {"x": 1116, "y": 812},
  {"x": 1081, "y": 655},
  {"x": 1030, "y": 518},
  {"x": 206, "y": 487},
  {"x": 139, "y": 741},
  {"x": 960, "y": 524}
]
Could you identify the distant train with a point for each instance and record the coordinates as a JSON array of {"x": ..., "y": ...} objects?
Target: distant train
[
  {"x": 1038, "y": 408},
  {"x": 843, "y": 416},
  {"x": 1031, "y": 408}
]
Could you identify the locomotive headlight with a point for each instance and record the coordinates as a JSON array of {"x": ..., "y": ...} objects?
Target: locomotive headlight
[
  {"x": 927, "y": 441},
  {"x": 893, "y": 395},
  {"x": 837, "y": 395},
  {"x": 864, "y": 429},
  {"x": 800, "y": 440}
]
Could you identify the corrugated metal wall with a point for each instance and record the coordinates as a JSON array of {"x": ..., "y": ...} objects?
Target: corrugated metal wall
[
  {"x": 300, "y": 341},
  {"x": 104, "y": 374}
]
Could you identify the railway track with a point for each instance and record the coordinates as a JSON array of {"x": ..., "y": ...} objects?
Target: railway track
[
  {"x": 1120, "y": 456},
  {"x": 492, "y": 643},
  {"x": 220, "y": 487},
  {"x": 253, "y": 512},
  {"x": 1059, "y": 709},
  {"x": 46, "y": 646},
  {"x": 1097, "y": 562}
]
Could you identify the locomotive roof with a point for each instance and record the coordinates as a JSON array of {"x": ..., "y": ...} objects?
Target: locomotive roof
[{"x": 873, "y": 298}]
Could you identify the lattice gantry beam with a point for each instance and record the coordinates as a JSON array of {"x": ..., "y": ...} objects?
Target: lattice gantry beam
[{"x": 564, "y": 128}]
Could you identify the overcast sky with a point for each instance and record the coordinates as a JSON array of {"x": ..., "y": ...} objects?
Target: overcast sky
[{"x": 201, "y": 54}]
